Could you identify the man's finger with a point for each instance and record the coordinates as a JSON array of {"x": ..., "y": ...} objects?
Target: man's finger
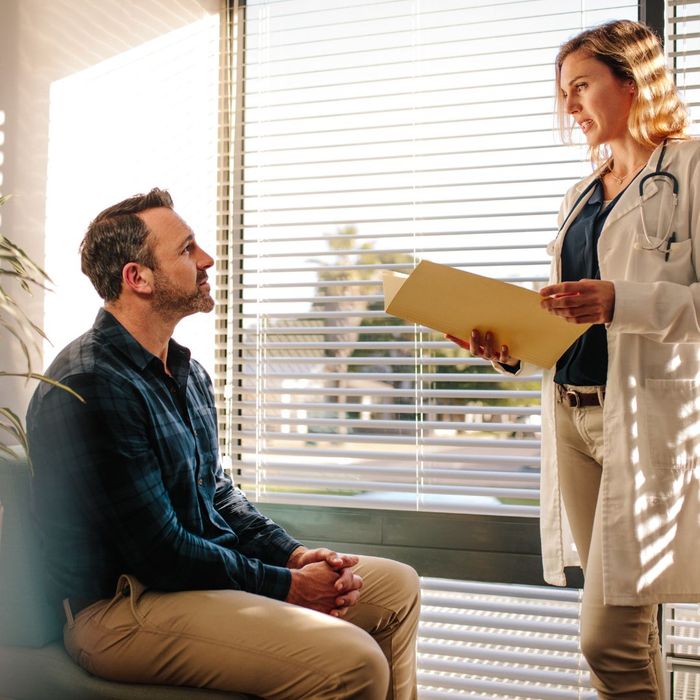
[
  {"x": 348, "y": 560},
  {"x": 348, "y": 599}
]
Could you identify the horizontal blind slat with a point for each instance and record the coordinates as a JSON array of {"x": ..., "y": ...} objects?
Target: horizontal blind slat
[{"x": 244, "y": 450}]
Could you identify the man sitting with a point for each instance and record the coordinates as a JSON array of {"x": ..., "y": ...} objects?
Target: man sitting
[{"x": 166, "y": 572}]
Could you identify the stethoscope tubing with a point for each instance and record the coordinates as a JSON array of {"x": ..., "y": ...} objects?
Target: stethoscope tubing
[{"x": 657, "y": 174}]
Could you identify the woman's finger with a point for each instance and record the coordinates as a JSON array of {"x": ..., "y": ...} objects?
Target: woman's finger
[{"x": 475, "y": 343}]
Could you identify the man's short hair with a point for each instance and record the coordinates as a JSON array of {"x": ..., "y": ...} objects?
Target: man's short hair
[{"x": 118, "y": 236}]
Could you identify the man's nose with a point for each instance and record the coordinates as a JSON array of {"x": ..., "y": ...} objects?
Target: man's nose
[{"x": 205, "y": 261}]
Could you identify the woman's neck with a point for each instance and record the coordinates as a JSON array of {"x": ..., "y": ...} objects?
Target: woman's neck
[{"x": 628, "y": 157}]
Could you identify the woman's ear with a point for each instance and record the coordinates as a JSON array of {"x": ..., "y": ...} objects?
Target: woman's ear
[{"x": 137, "y": 278}]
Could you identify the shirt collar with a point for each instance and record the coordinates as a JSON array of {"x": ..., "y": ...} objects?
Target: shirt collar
[
  {"x": 597, "y": 194},
  {"x": 115, "y": 334}
]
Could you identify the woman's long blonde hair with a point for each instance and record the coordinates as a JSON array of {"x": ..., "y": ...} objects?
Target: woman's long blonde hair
[{"x": 633, "y": 52}]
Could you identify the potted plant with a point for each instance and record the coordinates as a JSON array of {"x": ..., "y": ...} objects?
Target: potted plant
[{"x": 16, "y": 265}]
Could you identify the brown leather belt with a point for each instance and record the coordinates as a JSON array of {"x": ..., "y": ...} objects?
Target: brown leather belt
[{"x": 579, "y": 399}]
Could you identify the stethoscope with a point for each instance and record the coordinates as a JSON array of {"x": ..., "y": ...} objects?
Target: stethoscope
[
  {"x": 658, "y": 174},
  {"x": 668, "y": 237}
]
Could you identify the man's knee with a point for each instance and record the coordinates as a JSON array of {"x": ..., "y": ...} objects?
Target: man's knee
[
  {"x": 399, "y": 578},
  {"x": 364, "y": 670},
  {"x": 407, "y": 579}
]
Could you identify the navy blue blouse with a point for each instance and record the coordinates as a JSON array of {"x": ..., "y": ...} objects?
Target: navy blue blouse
[{"x": 585, "y": 363}]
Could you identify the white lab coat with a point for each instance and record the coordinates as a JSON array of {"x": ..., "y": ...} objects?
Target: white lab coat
[{"x": 650, "y": 496}]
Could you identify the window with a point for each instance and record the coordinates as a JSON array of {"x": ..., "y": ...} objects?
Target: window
[
  {"x": 494, "y": 641},
  {"x": 373, "y": 135},
  {"x": 681, "y": 643},
  {"x": 683, "y": 51}
]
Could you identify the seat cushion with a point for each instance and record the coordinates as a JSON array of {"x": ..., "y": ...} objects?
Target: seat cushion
[
  {"x": 26, "y": 618},
  {"x": 38, "y": 674}
]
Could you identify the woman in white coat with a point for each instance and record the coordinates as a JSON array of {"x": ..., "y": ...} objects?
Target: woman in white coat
[{"x": 621, "y": 409}]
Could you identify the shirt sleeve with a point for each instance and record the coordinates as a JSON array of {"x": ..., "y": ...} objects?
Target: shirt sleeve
[
  {"x": 258, "y": 535},
  {"x": 101, "y": 451}
]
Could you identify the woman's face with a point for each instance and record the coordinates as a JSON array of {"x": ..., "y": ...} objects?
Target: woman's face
[{"x": 597, "y": 100}]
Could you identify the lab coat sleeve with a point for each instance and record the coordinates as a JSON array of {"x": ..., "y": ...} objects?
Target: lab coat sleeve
[{"x": 662, "y": 311}]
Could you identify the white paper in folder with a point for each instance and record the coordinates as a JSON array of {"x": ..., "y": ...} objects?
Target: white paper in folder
[{"x": 454, "y": 302}]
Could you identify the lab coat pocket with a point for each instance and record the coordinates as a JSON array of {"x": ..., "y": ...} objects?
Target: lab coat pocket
[
  {"x": 661, "y": 260},
  {"x": 670, "y": 423}
]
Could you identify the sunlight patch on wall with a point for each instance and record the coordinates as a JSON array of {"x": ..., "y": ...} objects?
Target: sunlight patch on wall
[{"x": 144, "y": 118}]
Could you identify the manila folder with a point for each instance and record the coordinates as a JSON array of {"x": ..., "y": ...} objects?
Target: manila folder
[{"x": 454, "y": 302}]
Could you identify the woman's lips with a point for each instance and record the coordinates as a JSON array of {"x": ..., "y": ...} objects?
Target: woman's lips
[{"x": 585, "y": 125}]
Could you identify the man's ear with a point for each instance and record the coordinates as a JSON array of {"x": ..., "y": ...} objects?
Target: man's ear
[{"x": 138, "y": 278}]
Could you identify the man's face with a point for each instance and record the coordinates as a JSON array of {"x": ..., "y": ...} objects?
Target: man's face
[{"x": 180, "y": 285}]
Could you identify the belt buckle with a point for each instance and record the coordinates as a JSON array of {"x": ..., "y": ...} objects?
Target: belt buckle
[{"x": 572, "y": 398}]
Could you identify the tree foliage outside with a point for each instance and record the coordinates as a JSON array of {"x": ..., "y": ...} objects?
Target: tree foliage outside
[{"x": 342, "y": 286}]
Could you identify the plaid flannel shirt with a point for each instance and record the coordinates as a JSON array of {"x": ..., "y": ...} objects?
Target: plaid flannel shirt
[{"x": 130, "y": 481}]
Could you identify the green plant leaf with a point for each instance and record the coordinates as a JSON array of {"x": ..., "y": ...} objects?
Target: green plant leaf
[
  {"x": 9, "y": 452},
  {"x": 20, "y": 340},
  {"x": 16, "y": 265},
  {"x": 22, "y": 257},
  {"x": 16, "y": 423},
  {"x": 44, "y": 378}
]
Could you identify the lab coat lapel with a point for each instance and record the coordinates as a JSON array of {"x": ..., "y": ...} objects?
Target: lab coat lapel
[{"x": 583, "y": 193}]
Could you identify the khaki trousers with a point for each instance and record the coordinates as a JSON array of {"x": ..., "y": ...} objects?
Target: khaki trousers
[
  {"x": 620, "y": 643},
  {"x": 236, "y": 641}
]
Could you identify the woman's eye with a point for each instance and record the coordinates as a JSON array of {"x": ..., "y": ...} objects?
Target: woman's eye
[{"x": 580, "y": 86}]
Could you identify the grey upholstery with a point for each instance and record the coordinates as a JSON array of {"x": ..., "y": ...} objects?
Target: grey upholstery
[
  {"x": 33, "y": 663},
  {"x": 48, "y": 673}
]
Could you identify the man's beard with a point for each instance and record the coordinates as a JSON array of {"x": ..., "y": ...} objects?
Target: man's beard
[{"x": 170, "y": 300}]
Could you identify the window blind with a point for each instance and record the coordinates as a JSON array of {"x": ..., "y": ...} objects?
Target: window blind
[
  {"x": 372, "y": 135},
  {"x": 681, "y": 635},
  {"x": 683, "y": 50},
  {"x": 494, "y": 641}
]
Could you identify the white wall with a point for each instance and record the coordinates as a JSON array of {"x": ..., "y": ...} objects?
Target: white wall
[{"x": 101, "y": 99}]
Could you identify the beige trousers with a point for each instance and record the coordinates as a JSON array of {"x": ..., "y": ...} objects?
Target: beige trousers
[
  {"x": 620, "y": 643},
  {"x": 236, "y": 641}
]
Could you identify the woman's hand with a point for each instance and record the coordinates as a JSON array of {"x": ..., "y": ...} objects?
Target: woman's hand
[
  {"x": 483, "y": 347},
  {"x": 585, "y": 301}
]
